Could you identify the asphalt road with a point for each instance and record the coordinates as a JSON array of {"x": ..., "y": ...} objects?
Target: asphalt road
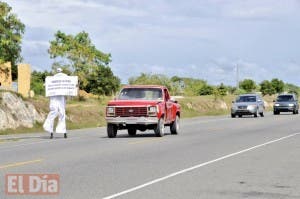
[{"x": 212, "y": 157}]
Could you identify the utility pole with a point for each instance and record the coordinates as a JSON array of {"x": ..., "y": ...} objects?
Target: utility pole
[{"x": 237, "y": 77}]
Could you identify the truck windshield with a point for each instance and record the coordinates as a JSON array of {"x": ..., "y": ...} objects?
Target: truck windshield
[
  {"x": 246, "y": 99},
  {"x": 140, "y": 94}
]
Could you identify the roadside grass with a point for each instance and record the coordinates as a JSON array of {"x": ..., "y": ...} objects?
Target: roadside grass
[
  {"x": 21, "y": 130},
  {"x": 88, "y": 113},
  {"x": 194, "y": 106}
]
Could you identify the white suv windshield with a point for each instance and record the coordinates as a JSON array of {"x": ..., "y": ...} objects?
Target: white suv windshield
[
  {"x": 141, "y": 94},
  {"x": 246, "y": 99}
]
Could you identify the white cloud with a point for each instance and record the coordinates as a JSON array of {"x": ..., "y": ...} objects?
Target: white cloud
[
  {"x": 262, "y": 10},
  {"x": 56, "y": 14},
  {"x": 35, "y": 48}
]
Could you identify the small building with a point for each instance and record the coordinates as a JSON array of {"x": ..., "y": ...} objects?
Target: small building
[
  {"x": 22, "y": 86},
  {"x": 5, "y": 76}
]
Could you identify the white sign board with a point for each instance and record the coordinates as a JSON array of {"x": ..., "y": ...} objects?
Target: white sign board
[{"x": 61, "y": 85}]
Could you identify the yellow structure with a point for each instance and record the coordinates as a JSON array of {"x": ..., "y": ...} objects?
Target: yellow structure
[
  {"x": 24, "y": 76},
  {"x": 5, "y": 76}
]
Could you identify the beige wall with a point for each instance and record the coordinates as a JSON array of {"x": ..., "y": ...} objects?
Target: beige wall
[
  {"x": 24, "y": 76},
  {"x": 5, "y": 77}
]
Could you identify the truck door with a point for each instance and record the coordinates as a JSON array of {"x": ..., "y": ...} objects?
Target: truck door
[{"x": 169, "y": 105}]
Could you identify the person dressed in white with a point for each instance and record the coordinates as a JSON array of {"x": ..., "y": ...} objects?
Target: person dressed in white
[{"x": 57, "y": 108}]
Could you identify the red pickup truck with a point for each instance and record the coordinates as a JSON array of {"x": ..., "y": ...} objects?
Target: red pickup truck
[{"x": 142, "y": 107}]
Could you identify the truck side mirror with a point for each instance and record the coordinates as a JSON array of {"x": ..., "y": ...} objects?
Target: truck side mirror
[{"x": 174, "y": 100}]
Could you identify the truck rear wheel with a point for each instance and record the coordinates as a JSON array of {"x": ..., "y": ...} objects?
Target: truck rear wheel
[
  {"x": 174, "y": 128},
  {"x": 160, "y": 128},
  {"x": 112, "y": 130}
]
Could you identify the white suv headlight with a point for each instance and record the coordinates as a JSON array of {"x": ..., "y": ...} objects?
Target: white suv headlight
[{"x": 252, "y": 106}]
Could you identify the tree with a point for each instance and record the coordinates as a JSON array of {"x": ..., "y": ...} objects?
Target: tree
[
  {"x": 193, "y": 86},
  {"x": 37, "y": 82},
  {"x": 231, "y": 89},
  {"x": 248, "y": 85},
  {"x": 103, "y": 82},
  {"x": 219, "y": 91},
  {"x": 222, "y": 90},
  {"x": 266, "y": 88},
  {"x": 278, "y": 85},
  {"x": 176, "y": 79},
  {"x": 177, "y": 85},
  {"x": 80, "y": 57},
  {"x": 11, "y": 31},
  {"x": 291, "y": 88},
  {"x": 206, "y": 90},
  {"x": 156, "y": 79}
]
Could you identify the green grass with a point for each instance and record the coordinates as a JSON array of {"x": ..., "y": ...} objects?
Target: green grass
[
  {"x": 204, "y": 106},
  {"x": 21, "y": 130}
]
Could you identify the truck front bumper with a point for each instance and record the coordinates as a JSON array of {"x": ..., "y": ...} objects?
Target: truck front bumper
[{"x": 132, "y": 120}]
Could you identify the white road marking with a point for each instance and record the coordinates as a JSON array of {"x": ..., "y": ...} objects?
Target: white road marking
[
  {"x": 197, "y": 166},
  {"x": 20, "y": 164}
]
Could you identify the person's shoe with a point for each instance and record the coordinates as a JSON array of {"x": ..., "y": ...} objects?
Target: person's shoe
[
  {"x": 51, "y": 136},
  {"x": 65, "y": 135}
]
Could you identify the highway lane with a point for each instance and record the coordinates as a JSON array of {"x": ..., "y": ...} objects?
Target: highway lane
[{"x": 93, "y": 166}]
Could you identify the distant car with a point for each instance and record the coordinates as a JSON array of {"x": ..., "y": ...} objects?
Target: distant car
[
  {"x": 286, "y": 103},
  {"x": 248, "y": 104}
]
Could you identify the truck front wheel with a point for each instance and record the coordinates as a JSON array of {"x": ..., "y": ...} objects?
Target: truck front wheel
[
  {"x": 112, "y": 130},
  {"x": 174, "y": 128},
  {"x": 160, "y": 128}
]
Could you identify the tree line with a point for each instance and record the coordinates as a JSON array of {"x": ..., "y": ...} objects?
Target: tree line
[{"x": 195, "y": 87}]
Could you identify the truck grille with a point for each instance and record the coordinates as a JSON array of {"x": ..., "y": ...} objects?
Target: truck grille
[{"x": 131, "y": 112}]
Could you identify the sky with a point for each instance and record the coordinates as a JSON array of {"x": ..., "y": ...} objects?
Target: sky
[{"x": 204, "y": 39}]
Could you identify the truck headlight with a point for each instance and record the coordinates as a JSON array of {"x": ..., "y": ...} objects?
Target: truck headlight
[
  {"x": 291, "y": 104},
  {"x": 110, "y": 111},
  {"x": 152, "y": 110},
  {"x": 276, "y": 104}
]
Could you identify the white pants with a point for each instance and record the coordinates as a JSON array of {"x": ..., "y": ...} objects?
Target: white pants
[{"x": 57, "y": 108}]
